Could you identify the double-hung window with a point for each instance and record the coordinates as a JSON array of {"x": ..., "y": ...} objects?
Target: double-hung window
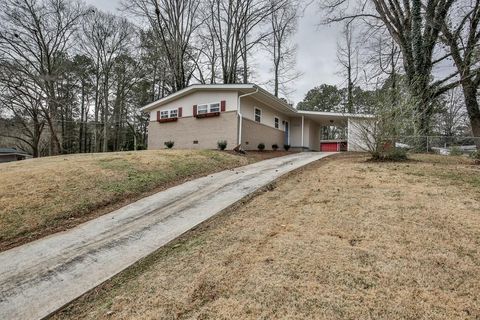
[
  {"x": 208, "y": 108},
  {"x": 258, "y": 115},
  {"x": 164, "y": 114},
  {"x": 277, "y": 123},
  {"x": 214, "y": 107},
  {"x": 174, "y": 113},
  {"x": 202, "y": 108}
]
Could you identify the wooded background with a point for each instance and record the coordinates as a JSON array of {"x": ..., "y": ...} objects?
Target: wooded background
[{"x": 72, "y": 78}]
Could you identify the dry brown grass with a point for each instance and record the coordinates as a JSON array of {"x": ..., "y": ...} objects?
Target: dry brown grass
[
  {"x": 341, "y": 239},
  {"x": 45, "y": 195}
]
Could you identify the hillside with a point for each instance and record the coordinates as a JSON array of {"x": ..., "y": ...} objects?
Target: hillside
[{"x": 45, "y": 195}]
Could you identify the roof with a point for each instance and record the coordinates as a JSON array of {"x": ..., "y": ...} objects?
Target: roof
[
  {"x": 263, "y": 95},
  {"x": 332, "y": 117},
  {"x": 334, "y": 114},
  {"x": 242, "y": 88}
]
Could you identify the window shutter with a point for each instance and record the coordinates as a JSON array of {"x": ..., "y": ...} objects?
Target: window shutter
[
  {"x": 179, "y": 112},
  {"x": 195, "y": 110},
  {"x": 158, "y": 115},
  {"x": 222, "y": 106}
]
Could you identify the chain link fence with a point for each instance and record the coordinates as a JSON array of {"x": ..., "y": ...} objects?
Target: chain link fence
[{"x": 444, "y": 145}]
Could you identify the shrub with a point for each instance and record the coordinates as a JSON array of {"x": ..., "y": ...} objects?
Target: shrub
[
  {"x": 169, "y": 144},
  {"x": 286, "y": 147},
  {"x": 274, "y": 147},
  {"x": 261, "y": 146},
  {"x": 391, "y": 154},
  {"x": 455, "y": 151},
  {"x": 222, "y": 144},
  {"x": 141, "y": 147}
]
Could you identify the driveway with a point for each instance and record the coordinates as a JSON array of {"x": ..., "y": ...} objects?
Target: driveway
[{"x": 38, "y": 278}]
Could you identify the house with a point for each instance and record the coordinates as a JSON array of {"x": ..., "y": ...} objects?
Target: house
[
  {"x": 199, "y": 116},
  {"x": 12, "y": 154}
]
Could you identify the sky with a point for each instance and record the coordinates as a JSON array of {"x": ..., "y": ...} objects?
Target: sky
[{"x": 316, "y": 52}]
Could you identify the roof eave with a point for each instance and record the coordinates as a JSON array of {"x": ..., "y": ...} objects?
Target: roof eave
[
  {"x": 193, "y": 88},
  {"x": 336, "y": 114}
]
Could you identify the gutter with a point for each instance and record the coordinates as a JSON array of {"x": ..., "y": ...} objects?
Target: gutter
[{"x": 240, "y": 116}]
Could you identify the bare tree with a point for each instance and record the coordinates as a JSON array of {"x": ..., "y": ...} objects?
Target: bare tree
[
  {"x": 33, "y": 39},
  {"x": 382, "y": 62},
  {"x": 156, "y": 67},
  {"x": 235, "y": 25},
  {"x": 174, "y": 24},
  {"x": 104, "y": 38},
  {"x": 348, "y": 58},
  {"x": 452, "y": 117},
  {"x": 283, "y": 19},
  {"x": 208, "y": 64},
  {"x": 378, "y": 132},
  {"x": 20, "y": 100},
  {"x": 415, "y": 27},
  {"x": 461, "y": 32}
]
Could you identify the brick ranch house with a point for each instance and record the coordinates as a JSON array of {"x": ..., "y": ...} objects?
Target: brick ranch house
[{"x": 199, "y": 116}]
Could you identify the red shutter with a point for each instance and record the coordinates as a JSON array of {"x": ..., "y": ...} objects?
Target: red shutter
[
  {"x": 195, "y": 110},
  {"x": 158, "y": 115},
  {"x": 179, "y": 114},
  {"x": 222, "y": 106}
]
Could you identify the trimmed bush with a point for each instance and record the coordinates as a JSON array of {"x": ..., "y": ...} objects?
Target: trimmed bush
[
  {"x": 286, "y": 147},
  {"x": 222, "y": 144},
  {"x": 392, "y": 154},
  {"x": 169, "y": 144},
  {"x": 274, "y": 147},
  {"x": 261, "y": 146}
]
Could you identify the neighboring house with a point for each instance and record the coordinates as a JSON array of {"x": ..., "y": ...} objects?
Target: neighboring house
[
  {"x": 12, "y": 154},
  {"x": 199, "y": 116}
]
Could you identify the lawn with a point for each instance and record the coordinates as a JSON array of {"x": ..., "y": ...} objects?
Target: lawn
[
  {"x": 343, "y": 238},
  {"x": 42, "y": 196}
]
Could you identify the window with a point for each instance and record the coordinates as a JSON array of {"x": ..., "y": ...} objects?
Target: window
[
  {"x": 277, "y": 123},
  {"x": 214, "y": 107},
  {"x": 202, "y": 108},
  {"x": 164, "y": 114},
  {"x": 208, "y": 108},
  {"x": 258, "y": 115}
]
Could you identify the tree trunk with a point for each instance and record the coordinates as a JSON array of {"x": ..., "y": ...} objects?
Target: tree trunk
[
  {"x": 349, "y": 88},
  {"x": 82, "y": 112},
  {"x": 245, "y": 61},
  {"x": 105, "y": 113},
  {"x": 471, "y": 102}
]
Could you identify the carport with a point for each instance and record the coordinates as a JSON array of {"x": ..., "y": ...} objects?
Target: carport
[{"x": 310, "y": 131}]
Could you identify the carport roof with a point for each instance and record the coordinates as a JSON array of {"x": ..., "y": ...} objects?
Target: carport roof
[{"x": 322, "y": 117}]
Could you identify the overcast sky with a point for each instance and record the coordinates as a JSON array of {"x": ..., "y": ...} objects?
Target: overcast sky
[{"x": 316, "y": 55}]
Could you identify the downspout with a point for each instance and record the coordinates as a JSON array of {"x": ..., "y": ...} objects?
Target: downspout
[
  {"x": 240, "y": 117},
  {"x": 303, "y": 123}
]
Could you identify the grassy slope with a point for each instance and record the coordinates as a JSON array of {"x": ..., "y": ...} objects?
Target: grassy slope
[
  {"x": 44, "y": 195},
  {"x": 343, "y": 239}
]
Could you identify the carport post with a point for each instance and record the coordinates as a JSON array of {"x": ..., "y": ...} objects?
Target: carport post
[{"x": 303, "y": 123}]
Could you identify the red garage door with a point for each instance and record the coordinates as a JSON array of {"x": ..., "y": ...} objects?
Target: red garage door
[{"x": 329, "y": 146}]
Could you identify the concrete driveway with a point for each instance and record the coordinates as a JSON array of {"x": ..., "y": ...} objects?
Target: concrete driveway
[{"x": 38, "y": 278}]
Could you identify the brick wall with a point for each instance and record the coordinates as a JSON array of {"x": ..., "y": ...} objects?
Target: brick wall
[{"x": 185, "y": 131}]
